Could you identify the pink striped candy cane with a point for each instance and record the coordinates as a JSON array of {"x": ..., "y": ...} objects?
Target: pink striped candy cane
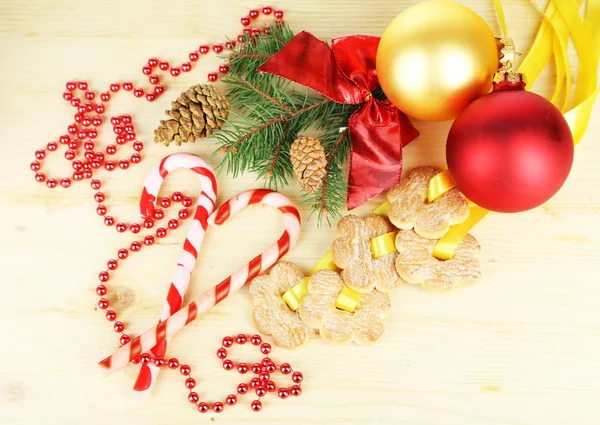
[
  {"x": 212, "y": 297},
  {"x": 189, "y": 253}
]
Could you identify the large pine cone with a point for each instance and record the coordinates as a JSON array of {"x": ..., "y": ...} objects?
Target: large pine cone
[
  {"x": 308, "y": 159},
  {"x": 194, "y": 115}
]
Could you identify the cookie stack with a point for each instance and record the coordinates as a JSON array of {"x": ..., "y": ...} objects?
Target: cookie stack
[{"x": 370, "y": 257}]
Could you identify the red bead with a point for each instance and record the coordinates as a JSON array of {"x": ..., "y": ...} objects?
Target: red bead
[
  {"x": 101, "y": 210},
  {"x": 227, "y": 364},
  {"x": 64, "y": 139},
  {"x": 153, "y": 62},
  {"x": 101, "y": 290},
  {"x": 111, "y": 149},
  {"x": 190, "y": 383},
  {"x": 194, "y": 56},
  {"x": 130, "y": 135},
  {"x": 103, "y": 276},
  {"x": 145, "y": 358},
  {"x": 227, "y": 341},
  {"x": 253, "y": 13},
  {"x": 159, "y": 214},
  {"x": 255, "y": 339},
  {"x": 241, "y": 339},
  {"x": 265, "y": 348},
  {"x": 109, "y": 221},
  {"x": 264, "y": 377},
  {"x": 99, "y": 197},
  {"x": 100, "y": 109},
  {"x": 266, "y": 362},
  {"x": 89, "y": 145},
  {"x": 242, "y": 368},
  {"x": 72, "y": 129},
  {"x": 114, "y": 87},
  {"x": 173, "y": 363},
  {"x": 121, "y": 227},
  {"x": 147, "y": 70},
  {"x": 187, "y": 202},
  {"x": 267, "y": 10},
  {"x": 126, "y": 118},
  {"x": 161, "y": 232},
  {"x": 229, "y": 45},
  {"x": 242, "y": 388},
  {"x": 223, "y": 69},
  {"x": 283, "y": 393},
  {"x": 159, "y": 89},
  {"x": 52, "y": 146},
  {"x": 204, "y": 49},
  {"x": 82, "y": 85},
  {"x": 203, "y": 407},
  {"x": 271, "y": 367},
  {"x": 69, "y": 155},
  {"x": 164, "y": 65},
  {"x": 135, "y": 228},
  {"x": 254, "y": 382},
  {"x": 296, "y": 390},
  {"x": 111, "y": 315},
  {"x": 128, "y": 85},
  {"x": 35, "y": 166},
  {"x": 177, "y": 196},
  {"x": 159, "y": 361},
  {"x": 149, "y": 240},
  {"x": 183, "y": 214},
  {"x": 271, "y": 386},
  {"x": 245, "y": 21},
  {"x": 112, "y": 264},
  {"x": 154, "y": 79},
  {"x": 89, "y": 155},
  {"x": 92, "y": 134},
  {"x": 123, "y": 164},
  {"x": 90, "y": 95},
  {"x": 103, "y": 304},
  {"x": 120, "y": 140},
  {"x": 138, "y": 92},
  {"x": 40, "y": 154},
  {"x": 123, "y": 254},
  {"x": 77, "y": 165},
  {"x": 150, "y": 97},
  {"x": 212, "y": 77},
  {"x": 217, "y": 407},
  {"x": 89, "y": 107},
  {"x": 279, "y": 14},
  {"x": 193, "y": 397},
  {"x": 105, "y": 97},
  {"x": 173, "y": 224},
  {"x": 135, "y": 360},
  {"x": 75, "y": 101},
  {"x": 117, "y": 129},
  {"x": 255, "y": 31},
  {"x": 77, "y": 175},
  {"x": 164, "y": 202},
  {"x": 186, "y": 67},
  {"x": 148, "y": 223},
  {"x": 135, "y": 246},
  {"x": 297, "y": 377},
  {"x": 73, "y": 144},
  {"x": 71, "y": 85},
  {"x": 185, "y": 369},
  {"x": 256, "y": 368},
  {"x": 241, "y": 38},
  {"x": 95, "y": 184},
  {"x": 115, "y": 120},
  {"x": 222, "y": 353},
  {"x": 65, "y": 182},
  {"x": 136, "y": 158},
  {"x": 96, "y": 164},
  {"x": 125, "y": 339},
  {"x": 217, "y": 48},
  {"x": 118, "y": 327},
  {"x": 109, "y": 165},
  {"x": 175, "y": 71},
  {"x": 231, "y": 400},
  {"x": 67, "y": 95},
  {"x": 285, "y": 368},
  {"x": 256, "y": 405}
]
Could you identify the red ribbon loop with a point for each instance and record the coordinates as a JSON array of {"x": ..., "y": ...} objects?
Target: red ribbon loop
[{"x": 345, "y": 73}]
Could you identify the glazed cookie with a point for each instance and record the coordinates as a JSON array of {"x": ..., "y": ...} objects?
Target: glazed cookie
[
  {"x": 271, "y": 314},
  {"x": 351, "y": 252},
  {"x": 410, "y": 208},
  {"x": 317, "y": 309},
  {"x": 416, "y": 265}
]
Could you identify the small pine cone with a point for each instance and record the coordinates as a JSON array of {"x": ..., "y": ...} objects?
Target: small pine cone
[
  {"x": 194, "y": 115},
  {"x": 308, "y": 159}
]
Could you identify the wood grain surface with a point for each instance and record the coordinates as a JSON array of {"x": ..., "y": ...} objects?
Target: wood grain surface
[{"x": 520, "y": 347}]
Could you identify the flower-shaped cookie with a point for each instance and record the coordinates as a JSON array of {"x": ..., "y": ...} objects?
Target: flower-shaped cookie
[
  {"x": 271, "y": 314},
  {"x": 364, "y": 326},
  {"x": 351, "y": 252},
  {"x": 410, "y": 208},
  {"x": 416, "y": 265}
]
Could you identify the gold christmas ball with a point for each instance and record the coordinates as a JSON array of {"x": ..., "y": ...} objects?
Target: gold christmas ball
[{"x": 435, "y": 58}]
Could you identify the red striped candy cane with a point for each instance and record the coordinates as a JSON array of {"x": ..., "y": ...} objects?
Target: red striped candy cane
[
  {"x": 212, "y": 297},
  {"x": 189, "y": 253}
]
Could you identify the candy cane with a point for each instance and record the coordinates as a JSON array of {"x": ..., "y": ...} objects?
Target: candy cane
[
  {"x": 212, "y": 297},
  {"x": 189, "y": 253}
]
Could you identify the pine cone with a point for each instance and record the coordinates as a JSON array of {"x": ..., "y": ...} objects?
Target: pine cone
[
  {"x": 308, "y": 159},
  {"x": 194, "y": 115}
]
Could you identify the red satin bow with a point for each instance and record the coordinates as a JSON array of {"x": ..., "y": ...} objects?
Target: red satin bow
[{"x": 345, "y": 73}]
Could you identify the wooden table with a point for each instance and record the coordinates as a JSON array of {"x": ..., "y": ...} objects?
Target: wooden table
[{"x": 520, "y": 347}]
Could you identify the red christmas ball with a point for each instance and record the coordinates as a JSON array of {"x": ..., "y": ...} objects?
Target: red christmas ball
[{"x": 510, "y": 150}]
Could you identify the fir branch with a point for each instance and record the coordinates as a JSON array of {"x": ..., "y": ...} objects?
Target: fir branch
[
  {"x": 330, "y": 155},
  {"x": 262, "y": 93},
  {"x": 269, "y": 172}
]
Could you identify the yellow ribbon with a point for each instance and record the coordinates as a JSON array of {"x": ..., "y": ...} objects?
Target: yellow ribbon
[
  {"x": 441, "y": 183},
  {"x": 293, "y": 297},
  {"x": 347, "y": 299},
  {"x": 383, "y": 245}
]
